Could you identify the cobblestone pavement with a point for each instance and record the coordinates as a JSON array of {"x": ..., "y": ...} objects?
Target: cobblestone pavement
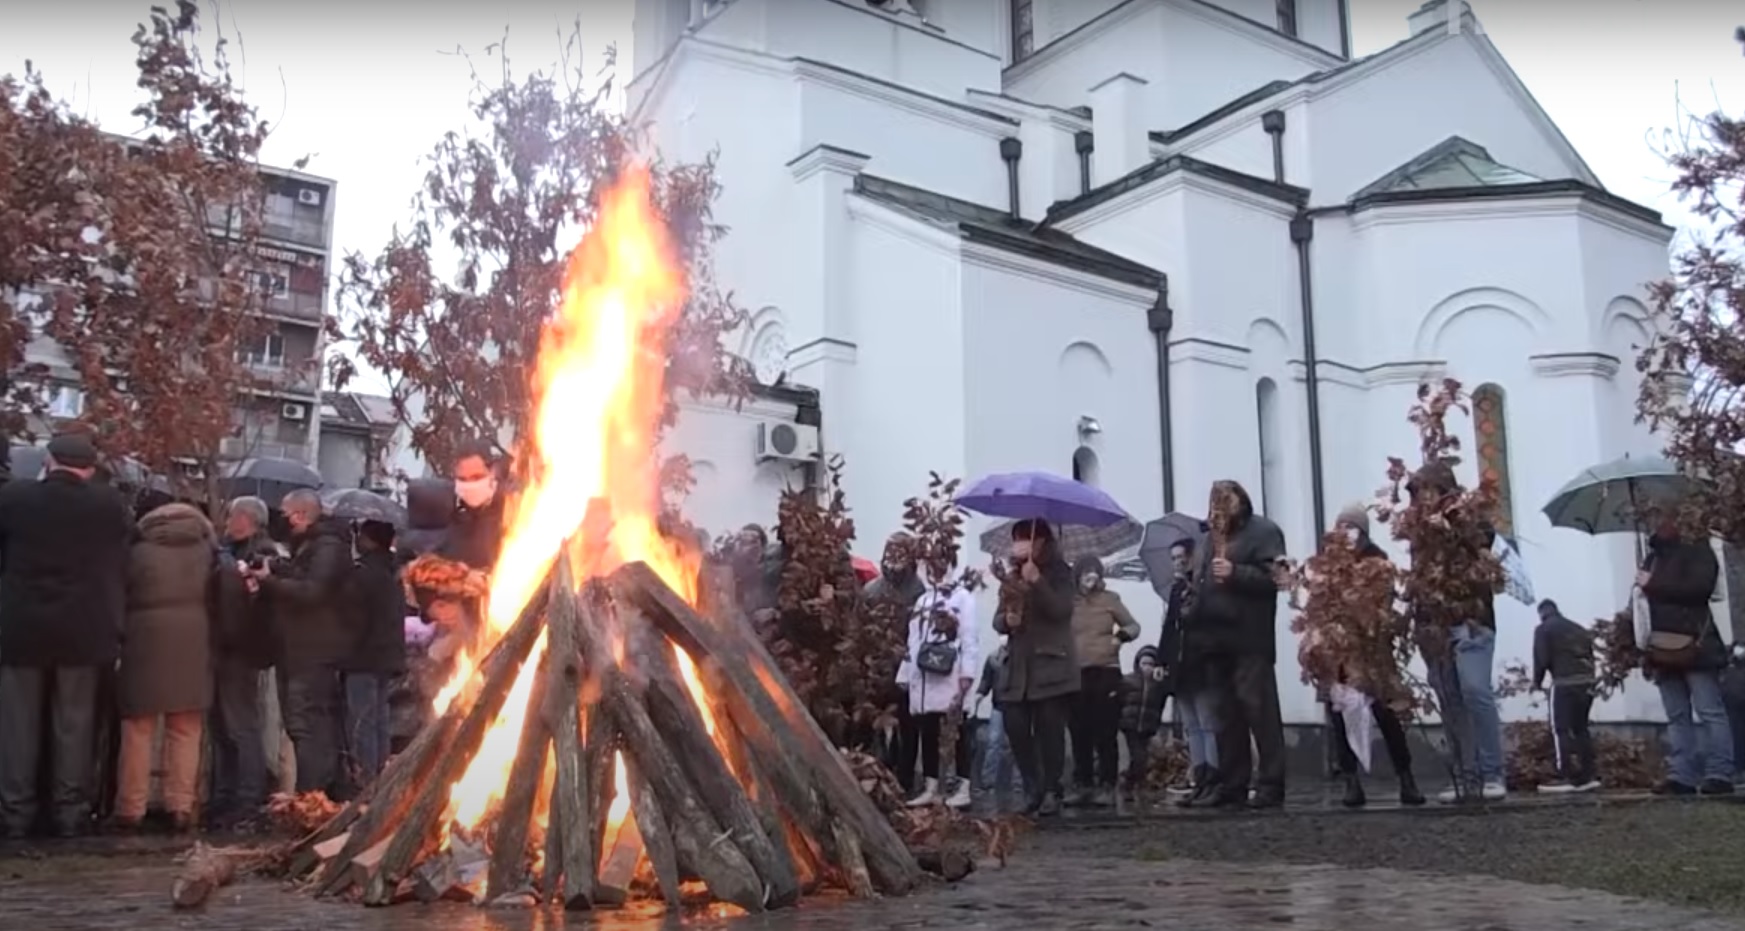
[{"x": 1042, "y": 888}]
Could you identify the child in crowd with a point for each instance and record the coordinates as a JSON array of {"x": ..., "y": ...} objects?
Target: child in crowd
[
  {"x": 997, "y": 772},
  {"x": 1141, "y": 717},
  {"x": 1564, "y": 650}
]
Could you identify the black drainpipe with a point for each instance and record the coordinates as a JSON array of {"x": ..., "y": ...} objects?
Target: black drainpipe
[
  {"x": 1159, "y": 319},
  {"x": 1273, "y": 121},
  {"x": 1345, "y": 31},
  {"x": 1302, "y": 233},
  {"x": 1084, "y": 144},
  {"x": 1011, "y": 150}
]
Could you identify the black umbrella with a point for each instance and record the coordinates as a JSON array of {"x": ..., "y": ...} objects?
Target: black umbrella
[
  {"x": 268, "y": 479},
  {"x": 1161, "y": 536},
  {"x": 363, "y": 504}
]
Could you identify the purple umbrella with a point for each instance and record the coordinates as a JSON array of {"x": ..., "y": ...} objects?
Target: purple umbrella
[{"x": 1041, "y": 496}]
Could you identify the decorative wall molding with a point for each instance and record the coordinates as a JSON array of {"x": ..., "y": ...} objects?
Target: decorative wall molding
[
  {"x": 1575, "y": 364},
  {"x": 903, "y": 226},
  {"x": 823, "y": 349},
  {"x": 1332, "y": 373},
  {"x": 1003, "y": 260},
  {"x": 1406, "y": 373},
  {"x": 1225, "y": 355},
  {"x": 826, "y": 157}
]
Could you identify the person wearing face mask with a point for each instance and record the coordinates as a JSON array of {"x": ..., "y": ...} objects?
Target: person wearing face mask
[
  {"x": 1042, "y": 671},
  {"x": 1353, "y": 523},
  {"x": 1181, "y": 670},
  {"x": 891, "y": 598},
  {"x": 476, "y": 532},
  {"x": 1100, "y": 624},
  {"x": 307, "y": 593}
]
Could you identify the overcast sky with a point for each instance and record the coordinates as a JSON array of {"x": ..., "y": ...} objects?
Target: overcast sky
[{"x": 365, "y": 87}]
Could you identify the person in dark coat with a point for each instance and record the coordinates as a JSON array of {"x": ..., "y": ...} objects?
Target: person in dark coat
[
  {"x": 1042, "y": 671},
  {"x": 1234, "y": 615},
  {"x": 166, "y": 660},
  {"x": 1142, "y": 700},
  {"x": 306, "y": 594},
  {"x": 376, "y": 608},
  {"x": 892, "y": 597},
  {"x": 1353, "y": 521},
  {"x": 245, "y": 646},
  {"x": 63, "y": 592},
  {"x": 1684, "y": 659},
  {"x": 1563, "y": 651},
  {"x": 1181, "y": 669},
  {"x": 475, "y": 534}
]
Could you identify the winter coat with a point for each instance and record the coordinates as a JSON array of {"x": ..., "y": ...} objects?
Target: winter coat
[
  {"x": 904, "y": 590},
  {"x": 375, "y": 605},
  {"x": 932, "y": 693},
  {"x": 1100, "y": 622},
  {"x": 1042, "y": 662},
  {"x": 307, "y": 596},
  {"x": 1238, "y": 616},
  {"x": 244, "y": 632},
  {"x": 63, "y": 571},
  {"x": 429, "y": 509},
  {"x": 1181, "y": 672},
  {"x": 475, "y": 535},
  {"x": 1564, "y": 650},
  {"x": 1142, "y": 698},
  {"x": 166, "y": 645},
  {"x": 992, "y": 681},
  {"x": 1681, "y": 579}
]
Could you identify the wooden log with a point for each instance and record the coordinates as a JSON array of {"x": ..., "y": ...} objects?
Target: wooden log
[
  {"x": 205, "y": 871},
  {"x": 948, "y": 863},
  {"x": 364, "y": 865},
  {"x": 508, "y": 870},
  {"x": 420, "y": 822},
  {"x": 622, "y": 850},
  {"x": 762, "y": 795},
  {"x": 674, "y": 713},
  {"x": 597, "y": 757},
  {"x": 770, "y": 702},
  {"x": 702, "y": 846},
  {"x": 570, "y": 820},
  {"x": 657, "y": 838},
  {"x": 412, "y": 767},
  {"x": 851, "y": 860}
]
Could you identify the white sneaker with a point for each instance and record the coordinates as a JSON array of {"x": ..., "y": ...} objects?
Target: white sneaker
[
  {"x": 929, "y": 795},
  {"x": 1495, "y": 792},
  {"x": 1557, "y": 788},
  {"x": 1448, "y": 796},
  {"x": 961, "y": 797},
  {"x": 1592, "y": 785}
]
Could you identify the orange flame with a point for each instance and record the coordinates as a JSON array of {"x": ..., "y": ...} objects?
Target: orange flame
[{"x": 598, "y": 386}]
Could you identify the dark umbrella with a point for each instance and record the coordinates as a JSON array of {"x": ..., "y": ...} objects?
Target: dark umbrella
[
  {"x": 363, "y": 504},
  {"x": 1076, "y": 541},
  {"x": 268, "y": 479},
  {"x": 1161, "y": 536}
]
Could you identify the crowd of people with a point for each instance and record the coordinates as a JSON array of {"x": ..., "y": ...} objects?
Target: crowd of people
[{"x": 133, "y": 637}]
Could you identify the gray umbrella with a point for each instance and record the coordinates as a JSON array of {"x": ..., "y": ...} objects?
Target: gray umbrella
[
  {"x": 1161, "y": 536},
  {"x": 1076, "y": 542},
  {"x": 362, "y": 504},
  {"x": 1617, "y": 496},
  {"x": 268, "y": 479}
]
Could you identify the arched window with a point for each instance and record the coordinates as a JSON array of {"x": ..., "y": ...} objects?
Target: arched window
[
  {"x": 1490, "y": 426},
  {"x": 1084, "y": 466},
  {"x": 1271, "y": 446}
]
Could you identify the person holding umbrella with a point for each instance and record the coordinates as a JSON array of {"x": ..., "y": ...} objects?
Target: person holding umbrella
[{"x": 1042, "y": 674}]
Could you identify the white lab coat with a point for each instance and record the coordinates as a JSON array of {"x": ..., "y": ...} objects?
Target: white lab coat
[{"x": 930, "y": 693}]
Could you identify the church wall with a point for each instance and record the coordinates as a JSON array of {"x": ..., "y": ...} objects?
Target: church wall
[{"x": 733, "y": 489}]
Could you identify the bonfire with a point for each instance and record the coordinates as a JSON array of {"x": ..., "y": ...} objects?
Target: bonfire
[{"x": 612, "y": 736}]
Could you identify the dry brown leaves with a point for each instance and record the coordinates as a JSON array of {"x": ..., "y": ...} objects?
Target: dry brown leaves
[
  {"x": 1452, "y": 576},
  {"x": 444, "y": 578},
  {"x": 300, "y": 813},
  {"x": 815, "y": 635},
  {"x": 934, "y": 826},
  {"x": 1169, "y": 764},
  {"x": 1622, "y": 763},
  {"x": 1618, "y": 655},
  {"x": 1515, "y": 680},
  {"x": 1350, "y": 631}
]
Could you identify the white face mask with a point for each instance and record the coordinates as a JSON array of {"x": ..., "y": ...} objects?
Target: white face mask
[
  {"x": 1352, "y": 535},
  {"x": 476, "y": 493}
]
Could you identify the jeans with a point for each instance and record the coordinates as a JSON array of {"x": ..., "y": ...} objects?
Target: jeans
[
  {"x": 1198, "y": 712},
  {"x": 1096, "y": 720},
  {"x": 239, "y": 757},
  {"x": 1468, "y": 703},
  {"x": 312, "y": 704},
  {"x": 1570, "y": 707},
  {"x": 69, "y": 695},
  {"x": 366, "y": 725},
  {"x": 998, "y": 770},
  {"x": 183, "y": 732},
  {"x": 1037, "y": 730},
  {"x": 1699, "y": 738}
]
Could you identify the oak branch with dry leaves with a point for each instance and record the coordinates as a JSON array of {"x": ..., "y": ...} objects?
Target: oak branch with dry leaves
[
  {"x": 137, "y": 256},
  {"x": 503, "y": 206},
  {"x": 1694, "y": 368},
  {"x": 1350, "y": 631}
]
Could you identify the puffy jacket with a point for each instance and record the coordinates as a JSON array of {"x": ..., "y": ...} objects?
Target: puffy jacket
[
  {"x": 1100, "y": 622},
  {"x": 1142, "y": 698},
  {"x": 307, "y": 599}
]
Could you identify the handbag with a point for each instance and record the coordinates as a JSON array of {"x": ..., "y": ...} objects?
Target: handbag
[
  {"x": 1673, "y": 652},
  {"x": 937, "y": 658}
]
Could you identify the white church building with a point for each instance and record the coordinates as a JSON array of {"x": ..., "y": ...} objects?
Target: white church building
[{"x": 1158, "y": 243}]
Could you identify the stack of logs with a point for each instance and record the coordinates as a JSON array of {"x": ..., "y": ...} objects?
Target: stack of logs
[{"x": 775, "y": 816}]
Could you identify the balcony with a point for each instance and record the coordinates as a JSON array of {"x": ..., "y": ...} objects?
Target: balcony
[
  {"x": 250, "y": 448},
  {"x": 309, "y": 232},
  {"x": 295, "y": 305}
]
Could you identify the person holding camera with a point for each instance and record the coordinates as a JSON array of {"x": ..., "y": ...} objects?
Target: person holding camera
[
  {"x": 245, "y": 647},
  {"x": 305, "y": 592}
]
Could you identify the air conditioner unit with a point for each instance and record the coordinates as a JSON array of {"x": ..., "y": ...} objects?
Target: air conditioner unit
[
  {"x": 293, "y": 412},
  {"x": 792, "y": 442},
  {"x": 309, "y": 196}
]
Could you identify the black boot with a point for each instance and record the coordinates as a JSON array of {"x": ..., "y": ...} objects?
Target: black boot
[
  {"x": 1409, "y": 794},
  {"x": 1205, "y": 790},
  {"x": 1354, "y": 797}
]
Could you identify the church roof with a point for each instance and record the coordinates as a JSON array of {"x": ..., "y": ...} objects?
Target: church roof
[
  {"x": 1452, "y": 163},
  {"x": 997, "y": 228}
]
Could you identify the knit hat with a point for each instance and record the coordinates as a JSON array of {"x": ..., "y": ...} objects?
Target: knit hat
[
  {"x": 1355, "y": 515},
  {"x": 73, "y": 451}
]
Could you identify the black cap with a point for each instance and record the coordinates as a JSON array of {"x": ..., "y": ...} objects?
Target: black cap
[{"x": 73, "y": 451}]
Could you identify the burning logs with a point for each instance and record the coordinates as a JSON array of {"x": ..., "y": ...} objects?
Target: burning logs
[{"x": 658, "y": 750}]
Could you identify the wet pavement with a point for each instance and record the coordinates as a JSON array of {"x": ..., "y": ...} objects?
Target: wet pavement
[{"x": 1048, "y": 884}]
